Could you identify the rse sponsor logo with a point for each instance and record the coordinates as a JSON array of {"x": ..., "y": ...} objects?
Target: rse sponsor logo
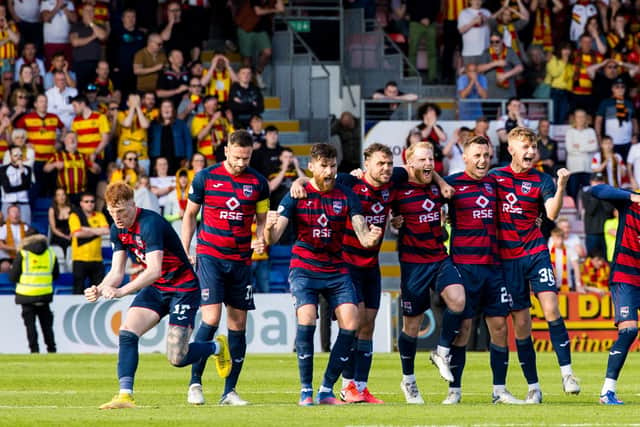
[
  {"x": 321, "y": 233},
  {"x": 429, "y": 217},
  {"x": 376, "y": 219},
  {"x": 510, "y": 206},
  {"x": 482, "y": 213},
  {"x": 234, "y": 216}
]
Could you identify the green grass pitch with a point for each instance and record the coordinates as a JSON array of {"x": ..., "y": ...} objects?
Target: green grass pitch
[{"x": 65, "y": 390}]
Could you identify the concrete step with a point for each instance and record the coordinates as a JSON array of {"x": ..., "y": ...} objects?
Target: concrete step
[
  {"x": 283, "y": 125},
  {"x": 272, "y": 103},
  {"x": 293, "y": 138}
]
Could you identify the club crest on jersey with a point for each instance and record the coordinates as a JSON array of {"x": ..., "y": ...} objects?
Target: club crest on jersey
[
  {"x": 337, "y": 206},
  {"x": 138, "y": 240},
  {"x": 385, "y": 195},
  {"x": 435, "y": 190},
  {"x": 205, "y": 294},
  {"x": 247, "y": 190},
  {"x": 624, "y": 311},
  {"x": 488, "y": 187},
  {"x": 526, "y": 187}
]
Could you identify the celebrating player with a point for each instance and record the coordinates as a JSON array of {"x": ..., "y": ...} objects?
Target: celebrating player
[
  {"x": 624, "y": 283},
  {"x": 525, "y": 256},
  {"x": 317, "y": 266},
  {"x": 167, "y": 285},
  {"x": 424, "y": 264},
  {"x": 474, "y": 250},
  {"x": 231, "y": 195}
]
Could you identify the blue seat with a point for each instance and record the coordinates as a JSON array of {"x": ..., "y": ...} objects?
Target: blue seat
[
  {"x": 42, "y": 204},
  {"x": 107, "y": 253},
  {"x": 280, "y": 252}
]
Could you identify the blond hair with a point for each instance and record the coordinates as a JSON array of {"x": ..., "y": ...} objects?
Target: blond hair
[{"x": 422, "y": 144}]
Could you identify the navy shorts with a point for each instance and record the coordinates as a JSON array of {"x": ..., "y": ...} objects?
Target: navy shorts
[
  {"x": 485, "y": 290},
  {"x": 417, "y": 279},
  {"x": 368, "y": 285},
  {"x": 223, "y": 281},
  {"x": 306, "y": 286},
  {"x": 528, "y": 274},
  {"x": 626, "y": 301},
  {"x": 180, "y": 306}
]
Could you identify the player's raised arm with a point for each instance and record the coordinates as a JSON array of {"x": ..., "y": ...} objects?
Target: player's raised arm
[
  {"x": 554, "y": 204},
  {"x": 274, "y": 226},
  {"x": 368, "y": 236},
  {"x": 612, "y": 194},
  {"x": 445, "y": 189},
  {"x": 112, "y": 280}
]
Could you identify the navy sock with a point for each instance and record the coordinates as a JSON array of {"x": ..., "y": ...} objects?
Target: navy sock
[
  {"x": 364, "y": 358},
  {"x": 197, "y": 352},
  {"x": 458, "y": 360},
  {"x": 304, "y": 349},
  {"x": 339, "y": 355},
  {"x": 619, "y": 351},
  {"x": 205, "y": 333},
  {"x": 237, "y": 348},
  {"x": 527, "y": 357},
  {"x": 499, "y": 360},
  {"x": 560, "y": 340},
  {"x": 451, "y": 322},
  {"x": 407, "y": 348},
  {"x": 127, "y": 359},
  {"x": 349, "y": 370}
]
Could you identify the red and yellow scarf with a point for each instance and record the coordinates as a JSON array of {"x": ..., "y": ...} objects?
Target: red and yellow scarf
[
  {"x": 542, "y": 30},
  {"x": 496, "y": 56},
  {"x": 598, "y": 277},
  {"x": 11, "y": 240},
  {"x": 564, "y": 279},
  {"x": 515, "y": 42},
  {"x": 621, "y": 110}
]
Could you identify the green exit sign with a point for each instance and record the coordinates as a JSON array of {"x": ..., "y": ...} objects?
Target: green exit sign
[{"x": 301, "y": 26}]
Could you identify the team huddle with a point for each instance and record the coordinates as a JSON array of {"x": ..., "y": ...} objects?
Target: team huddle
[{"x": 497, "y": 257}]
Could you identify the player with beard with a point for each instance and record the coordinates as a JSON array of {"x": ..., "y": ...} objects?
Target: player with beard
[
  {"x": 317, "y": 266},
  {"x": 523, "y": 195}
]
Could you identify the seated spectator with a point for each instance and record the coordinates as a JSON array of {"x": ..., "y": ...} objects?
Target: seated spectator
[
  {"x": 565, "y": 262},
  {"x": 595, "y": 213},
  {"x": 103, "y": 83},
  {"x": 507, "y": 22},
  {"x": 15, "y": 182},
  {"x": 19, "y": 105},
  {"x": 57, "y": 17},
  {"x": 473, "y": 24},
  {"x": 59, "y": 63},
  {"x": 58, "y": 214},
  {"x": 144, "y": 197},
  {"x": 133, "y": 136},
  {"x": 266, "y": 159},
  {"x": 390, "y": 92},
  {"x": 432, "y": 131},
  {"x": 87, "y": 226},
  {"x": 609, "y": 163},
  {"x": 162, "y": 183},
  {"x": 454, "y": 149},
  {"x": 598, "y": 40},
  {"x": 607, "y": 73},
  {"x": 27, "y": 84},
  {"x": 5, "y": 129},
  {"x": 571, "y": 239},
  {"x": 59, "y": 99},
  {"x": 482, "y": 129},
  {"x": 616, "y": 117},
  {"x": 128, "y": 172},
  {"x": 92, "y": 128},
  {"x": 581, "y": 144},
  {"x": 245, "y": 98},
  {"x": 9, "y": 39},
  {"x": 173, "y": 83},
  {"x": 193, "y": 103},
  {"x": 514, "y": 118},
  {"x": 127, "y": 40},
  {"x": 19, "y": 139},
  {"x": 218, "y": 78},
  {"x": 347, "y": 130},
  {"x": 148, "y": 62},
  {"x": 169, "y": 137},
  {"x": 471, "y": 85},
  {"x": 547, "y": 148},
  {"x": 500, "y": 65},
  {"x": 12, "y": 232},
  {"x": 85, "y": 38},
  {"x": 594, "y": 273},
  {"x": 177, "y": 201},
  {"x": 560, "y": 78},
  {"x": 149, "y": 107},
  {"x": 210, "y": 129},
  {"x": 256, "y": 131},
  {"x": 610, "y": 233},
  {"x": 633, "y": 166},
  {"x": 28, "y": 57}
]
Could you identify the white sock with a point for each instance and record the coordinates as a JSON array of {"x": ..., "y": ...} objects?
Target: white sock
[
  {"x": 346, "y": 381},
  {"x": 534, "y": 386},
  {"x": 566, "y": 370},
  {"x": 442, "y": 351},
  {"x": 195, "y": 384},
  {"x": 126, "y": 391},
  {"x": 455, "y": 389},
  {"x": 361, "y": 385},
  {"x": 609, "y": 385},
  {"x": 497, "y": 389},
  {"x": 324, "y": 389},
  {"x": 409, "y": 378}
]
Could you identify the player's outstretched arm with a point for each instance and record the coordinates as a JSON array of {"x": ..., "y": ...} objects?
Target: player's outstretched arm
[
  {"x": 149, "y": 275},
  {"x": 189, "y": 221},
  {"x": 369, "y": 236},
  {"x": 446, "y": 190},
  {"x": 297, "y": 190},
  {"x": 274, "y": 226},
  {"x": 612, "y": 194},
  {"x": 112, "y": 280},
  {"x": 554, "y": 204}
]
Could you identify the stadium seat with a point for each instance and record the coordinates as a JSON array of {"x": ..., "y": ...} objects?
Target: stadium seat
[
  {"x": 63, "y": 285},
  {"x": 107, "y": 253}
]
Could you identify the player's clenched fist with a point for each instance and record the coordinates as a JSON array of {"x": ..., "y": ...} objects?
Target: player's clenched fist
[
  {"x": 92, "y": 294},
  {"x": 272, "y": 219},
  {"x": 563, "y": 177},
  {"x": 258, "y": 246},
  {"x": 375, "y": 233}
]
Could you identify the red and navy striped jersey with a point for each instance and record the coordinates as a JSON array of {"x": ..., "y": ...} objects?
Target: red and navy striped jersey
[
  {"x": 625, "y": 267},
  {"x": 473, "y": 215},
  {"x": 150, "y": 232},
  {"x": 228, "y": 209},
  {"x": 421, "y": 236},
  {"x": 320, "y": 221},
  {"x": 521, "y": 198},
  {"x": 376, "y": 203}
]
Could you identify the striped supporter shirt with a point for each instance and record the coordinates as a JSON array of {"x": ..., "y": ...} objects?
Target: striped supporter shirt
[
  {"x": 41, "y": 133},
  {"x": 90, "y": 131},
  {"x": 73, "y": 177}
]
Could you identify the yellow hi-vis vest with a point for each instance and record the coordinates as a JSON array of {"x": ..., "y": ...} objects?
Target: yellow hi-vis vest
[{"x": 36, "y": 278}]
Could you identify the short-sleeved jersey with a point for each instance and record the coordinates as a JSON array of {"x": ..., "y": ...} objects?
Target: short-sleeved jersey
[
  {"x": 473, "y": 219},
  {"x": 219, "y": 132},
  {"x": 132, "y": 138},
  {"x": 421, "y": 238},
  {"x": 8, "y": 48},
  {"x": 87, "y": 251},
  {"x": 320, "y": 221},
  {"x": 150, "y": 232},
  {"x": 73, "y": 177},
  {"x": 376, "y": 203},
  {"x": 229, "y": 204},
  {"x": 625, "y": 267},
  {"x": 90, "y": 131},
  {"x": 521, "y": 198},
  {"x": 41, "y": 133}
]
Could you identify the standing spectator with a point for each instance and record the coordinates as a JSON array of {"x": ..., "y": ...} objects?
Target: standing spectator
[
  {"x": 72, "y": 168},
  {"x": 92, "y": 128},
  {"x": 59, "y": 99},
  {"x": 511, "y": 120},
  {"x": 218, "y": 78},
  {"x": 169, "y": 137},
  {"x": 26, "y": 13},
  {"x": 58, "y": 214},
  {"x": 633, "y": 166},
  {"x": 19, "y": 106},
  {"x": 581, "y": 144},
  {"x": 454, "y": 149},
  {"x": 583, "y": 73},
  {"x": 132, "y": 135},
  {"x": 547, "y": 148},
  {"x": 503, "y": 23},
  {"x": 245, "y": 98},
  {"x": 127, "y": 40},
  {"x": 565, "y": 262},
  {"x": 177, "y": 201},
  {"x": 451, "y": 39},
  {"x": 620, "y": 41},
  {"x": 193, "y": 103},
  {"x": 15, "y": 182},
  {"x": 174, "y": 80},
  {"x": 599, "y": 41},
  {"x": 59, "y": 63},
  {"x": 57, "y": 16},
  {"x": 85, "y": 38},
  {"x": 12, "y": 232},
  {"x": 254, "y": 24},
  {"x": 177, "y": 35},
  {"x": 148, "y": 62},
  {"x": 390, "y": 92},
  {"x": 87, "y": 226},
  {"x": 27, "y": 83},
  {"x": 473, "y": 24},
  {"x": 28, "y": 57},
  {"x": 210, "y": 129},
  {"x": 162, "y": 183},
  {"x": 347, "y": 130},
  {"x": 596, "y": 212},
  {"x": 266, "y": 159},
  {"x": 560, "y": 78},
  {"x": 34, "y": 271},
  {"x": 5, "y": 128},
  {"x": 616, "y": 117},
  {"x": 607, "y": 73},
  {"x": 543, "y": 30},
  {"x": 581, "y": 12},
  {"x": 432, "y": 132},
  {"x": 104, "y": 86},
  {"x": 501, "y": 65},
  {"x": 422, "y": 27},
  {"x": 9, "y": 39},
  {"x": 609, "y": 163},
  {"x": 149, "y": 108},
  {"x": 471, "y": 85}
]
